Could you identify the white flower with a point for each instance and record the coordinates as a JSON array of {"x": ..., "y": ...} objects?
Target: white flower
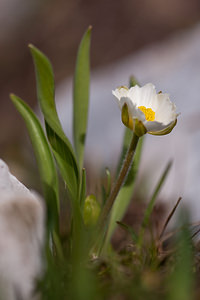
[{"x": 145, "y": 111}]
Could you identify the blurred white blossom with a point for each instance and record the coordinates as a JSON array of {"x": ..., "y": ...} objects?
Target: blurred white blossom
[{"x": 21, "y": 237}]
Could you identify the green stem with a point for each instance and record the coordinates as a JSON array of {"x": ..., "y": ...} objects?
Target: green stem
[{"x": 115, "y": 190}]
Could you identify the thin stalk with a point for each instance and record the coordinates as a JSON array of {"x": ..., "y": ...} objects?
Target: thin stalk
[
  {"x": 169, "y": 218},
  {"x": 115, "y": 190},
  {"x": 151, "y": 204}
]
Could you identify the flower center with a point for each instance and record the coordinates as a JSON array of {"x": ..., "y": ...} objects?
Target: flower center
[{"x": 148, "y": 112}]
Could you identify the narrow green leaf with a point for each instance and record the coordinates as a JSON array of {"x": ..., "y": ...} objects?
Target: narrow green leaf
[
  {"x": 83, "y": 188},
  {"x": 181, "y": 282},
  {"x": 106, "y": 188},
  {"x": 65, "y": 162},
  {"x": 108, "y": 182},
  {"x": 44, "y": 158},
  {"x": 58, "y": 247},
  {"x": 151, "y": 204},
  {"x": 133, "y": 81},
  {"x": 61, "y": 154},
  {"x": 61, "y": 146},
  {"x": 129, "y": 229},
  {"x": 81, "y": 96}
]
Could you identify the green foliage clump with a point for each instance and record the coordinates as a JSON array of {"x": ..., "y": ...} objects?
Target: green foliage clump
[{"x": 83, "y": 264}]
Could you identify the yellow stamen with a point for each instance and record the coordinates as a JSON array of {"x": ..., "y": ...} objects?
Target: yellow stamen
[{"x": 149, "y": 113}]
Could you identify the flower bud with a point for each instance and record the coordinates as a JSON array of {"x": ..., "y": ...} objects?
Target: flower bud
[{"x": 91, "y": 210}]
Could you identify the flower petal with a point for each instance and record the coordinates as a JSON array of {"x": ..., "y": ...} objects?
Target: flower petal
[
  {"x": 134, "y": 112},
  {"x": 144, "y": 96},
  {"x": 120, "y": 92},
  {"x": 166, "y": 111},
  {"x": 154, "y": 126},
  {"x": 166, "y": 130}
]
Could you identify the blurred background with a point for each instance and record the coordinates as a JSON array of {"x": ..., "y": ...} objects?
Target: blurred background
[
  {"x": 121, "y": 29},
  {"x": 56, "y": 27}
]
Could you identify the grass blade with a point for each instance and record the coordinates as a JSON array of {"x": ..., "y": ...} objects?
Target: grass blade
[
  {"x": 59, "y": 142},
  {"x": 81, "y": 96},
  {"x": 83, "y": 188},
  {"x": 65, "y": 162},
  {"x": 108, "y": 183},
  {"x": 169, "y": 218},
  {"x": 150, "y": 206},
  {"x": 44, "y": 158},
  {"x": 181, "y": 280},
  {"x": 129, "y": 229}
]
